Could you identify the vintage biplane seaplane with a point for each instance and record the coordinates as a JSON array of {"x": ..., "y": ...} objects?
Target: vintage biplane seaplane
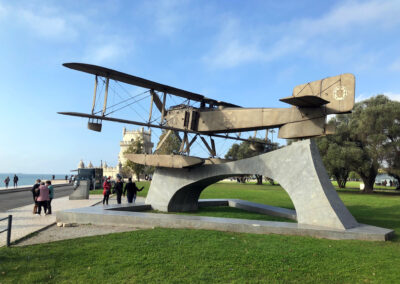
[{"x": 310, "y": 105}]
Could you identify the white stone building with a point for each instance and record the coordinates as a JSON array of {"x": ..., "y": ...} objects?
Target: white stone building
[{"x": 127, "y": 138}]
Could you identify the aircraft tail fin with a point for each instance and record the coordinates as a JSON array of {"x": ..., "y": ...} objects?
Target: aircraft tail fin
[{"x": 335, "y": 93}]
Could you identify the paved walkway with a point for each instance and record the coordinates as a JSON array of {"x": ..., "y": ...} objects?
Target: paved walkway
[{"x": 25, "y": 223}]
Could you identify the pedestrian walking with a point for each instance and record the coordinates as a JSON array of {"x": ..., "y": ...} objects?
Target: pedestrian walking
[
  {"x": 51, "y": 195},
  {"x": 15, "y": 181},
  {"x": 35, "y": 193},
  {"x": 118, "y": 189},
  {"x": 106, "y": 190},
  {"x": 131, "y": 190},
  {"x": 43, "y": 198},
  {"x": 7, "y": 181}
]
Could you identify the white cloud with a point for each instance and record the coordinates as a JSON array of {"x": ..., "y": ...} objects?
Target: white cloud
[
  {"x": 168, "y": 16},
  {"x": 48, "y": 26},
  {"x": 316, "y": 38},
  {"x": 391, "y": 95},
  {"x": 230, "y": 50},
  {"x": 351, "y": 14},
  {"x": 3, "y": 11},
  {"x": 42, "y": 21},
  {"x": 108, "y": 50},
  {"x": 395, "y": 66}
]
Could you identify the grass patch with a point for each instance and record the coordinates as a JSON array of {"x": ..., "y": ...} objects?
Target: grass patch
[
  {"x": 201, "y": 256},
  {"x": 186, "y": 256},
  {"x": 266, "y": 194},
  {"x": 228, "y": 212},
  {"x": 356, "y": 185}
]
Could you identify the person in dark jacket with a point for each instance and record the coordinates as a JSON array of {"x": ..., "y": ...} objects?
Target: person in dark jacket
[
  {"x": 118, "y": 189},
  {"x": 35, "y": 194},
  {"x": 131, "y": 190},
  {"x": 16, "y": 181}
]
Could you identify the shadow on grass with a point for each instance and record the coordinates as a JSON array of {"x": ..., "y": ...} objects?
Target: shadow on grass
[
  {"x": 229, "y": 212},
  {"x": 385, "y": 217}
]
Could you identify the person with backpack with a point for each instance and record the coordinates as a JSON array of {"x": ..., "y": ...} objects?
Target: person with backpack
[
  {"x": 7, "y": 181},
  {"x": 43, "y": 198},
  {"x": 51, "y": 196},
  {"x": 35, "y": 194},
  {"x": 106, "y": 190}
]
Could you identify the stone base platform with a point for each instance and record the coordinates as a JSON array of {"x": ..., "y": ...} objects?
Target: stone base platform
[{"x": 135, "y": 215}]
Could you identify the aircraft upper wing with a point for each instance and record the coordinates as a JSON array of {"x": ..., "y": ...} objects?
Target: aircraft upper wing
[{"x": 137, "y": 81}]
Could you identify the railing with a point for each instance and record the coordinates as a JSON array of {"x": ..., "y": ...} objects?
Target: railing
[{"x": 9, "y": 218}]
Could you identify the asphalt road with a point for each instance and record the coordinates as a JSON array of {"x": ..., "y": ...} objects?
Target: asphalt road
[{"x": 17, "y": 199}]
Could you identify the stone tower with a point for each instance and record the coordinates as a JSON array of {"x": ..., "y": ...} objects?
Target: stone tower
[{"x": 129, "y": 136}]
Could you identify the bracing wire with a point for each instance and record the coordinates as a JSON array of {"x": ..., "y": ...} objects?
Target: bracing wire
[
  {"x": 124, "y": 100},
  {"x": 98, "y": 97}
]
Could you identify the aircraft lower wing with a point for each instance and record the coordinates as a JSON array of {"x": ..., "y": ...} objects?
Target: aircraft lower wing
[{"x": 101, "y": 118}]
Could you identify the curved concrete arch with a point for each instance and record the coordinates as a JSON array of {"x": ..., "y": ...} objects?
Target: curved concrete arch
[{"x": 298, "y": 168}]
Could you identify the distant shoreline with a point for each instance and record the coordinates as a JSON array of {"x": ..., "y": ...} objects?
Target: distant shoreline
[{"x": 11, "y": 185}]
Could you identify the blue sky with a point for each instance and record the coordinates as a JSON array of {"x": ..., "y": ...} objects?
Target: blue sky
[{"x": 250, "y": 53}]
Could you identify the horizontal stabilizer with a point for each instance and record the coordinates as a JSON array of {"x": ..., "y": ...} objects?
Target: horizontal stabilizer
[{"x": 305, "y": 101}]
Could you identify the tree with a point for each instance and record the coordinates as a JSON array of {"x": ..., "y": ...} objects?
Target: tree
[
  {"x": 171, "y": 145},
  {"x": 366, "y": 140},
  {"x": 339, "y": 154},
  {"x": 392, "y": 146},
  {"x": 135, "y": 148},
  {"x": 248, "y": 149},
  {"x": 375, "y": 128}
]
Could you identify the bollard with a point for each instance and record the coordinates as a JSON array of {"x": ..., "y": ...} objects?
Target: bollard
[{"x": 9, "y": 230}]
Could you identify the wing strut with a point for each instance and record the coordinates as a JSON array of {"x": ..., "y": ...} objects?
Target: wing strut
[
  {"x": 151, "y": 107},
  {"x": 163, "y": 140},
  {"x": 105, "y": 97},
  {"x": 163, "y": 111},
  {"x": 184, "y": 142},
  {"x": 95, "y": 124},
  {"x": 94, "y": 95},
  {"x": 187, "y": 150},
  {"x": 157, "y": 101},
  {"x": 210, "y": 149}
]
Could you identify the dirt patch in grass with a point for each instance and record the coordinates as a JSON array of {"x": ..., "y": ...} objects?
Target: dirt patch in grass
[{"x": 54, "y": 233}]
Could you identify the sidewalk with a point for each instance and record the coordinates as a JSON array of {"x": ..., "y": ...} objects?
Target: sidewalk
[{"x": 25, "y": 223}]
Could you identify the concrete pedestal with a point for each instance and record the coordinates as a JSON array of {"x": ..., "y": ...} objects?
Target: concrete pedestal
[
  {"x": 298, "y": 168},
  {"x": 82, "y": 191}
]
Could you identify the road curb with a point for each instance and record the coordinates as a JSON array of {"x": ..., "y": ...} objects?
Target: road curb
[{"x": 28, "y": 188}]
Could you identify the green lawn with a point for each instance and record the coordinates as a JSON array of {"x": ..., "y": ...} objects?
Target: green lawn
[
  {"x": 185, "y": 256},
  {"x": 356, "y": 185}
]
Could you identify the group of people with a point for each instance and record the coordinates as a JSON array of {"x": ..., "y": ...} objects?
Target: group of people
[
  {"x": 43, "y": 194},
  {"x": 15, "y": 179},
  {"x": 130, "y": 190}
]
